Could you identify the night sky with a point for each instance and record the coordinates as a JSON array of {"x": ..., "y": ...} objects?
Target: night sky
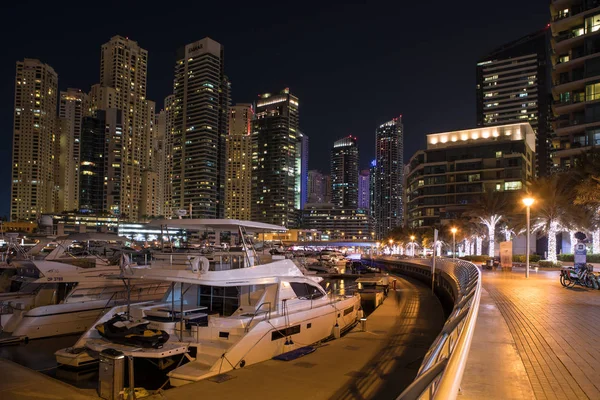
[{"x": 353, "y": 67}]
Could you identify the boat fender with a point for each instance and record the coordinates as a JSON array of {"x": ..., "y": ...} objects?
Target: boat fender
[
  {"x": 195, "y": 264},
  {"x": 242, "y": 363},
  {"x": 336, "y": 331},
  {"x": 360, "y": 313}
]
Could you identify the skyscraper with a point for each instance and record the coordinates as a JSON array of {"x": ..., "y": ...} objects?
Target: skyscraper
[
  {"x": 513, "y": 87},
  {"x": 167, "y": 170},
  {"x": 301, "y": 170},
  {"x": 389, "y": 177},
  {"x": 364, "y": 189},
  {"x": 318, "y": 185},
  {"x": 74, "y": 105},
  {"x": 34, "y": 140},
  {"x": 575, "y": 75},
  {"x": 344, "y": 173},
  {"x": 238, "y": 186},
  {"x": 101, "y": 159},
  {"x": 275, "y": 140},
  {"x": 123, "y": 67},
  {"x": 201, "y": 116}
]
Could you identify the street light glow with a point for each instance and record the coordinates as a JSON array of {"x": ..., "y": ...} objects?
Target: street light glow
[
  {"x": 453, "y": 230},
  {"x": 412, "y": 237},
  {"x": 528, "y": 201},
  {"x": 391, "y": 241}
]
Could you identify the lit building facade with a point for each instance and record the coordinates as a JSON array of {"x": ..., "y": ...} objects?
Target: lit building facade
[
  {"x": 457, "y": 167},
  {"x": 512, "y": 87},
  {"x": 275, "y": 140},
  {"x": 34, "y": 141},
  {"x": 575, "y": 42},
  {"x": 338, "y": 223},
  {"x": 319, "y": 187},
  {"x": 344, "y": 173},
  {"x": 238, "y": 186},
  {"x": 364, "y": 189},
  {"x": 200, "y": 119},
  {"x": 123, "y": 77},
  {"x": 301, "y": 171},
  {"x": 388, "y": 177},
  {"x": 101, "y": 160},
  {"x": 73, "y": 106}
]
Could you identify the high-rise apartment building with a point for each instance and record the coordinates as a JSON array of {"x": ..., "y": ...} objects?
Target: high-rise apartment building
[
  {"x": 513, "y": 87},
  {"x": 344, "y": 173},
  {"x": 457, "y": 167},
  {"x": 301, "y": 170},
  {"x": 73, "y": 106},
  {"x": 389, "y": 176},
  {"x": 318, "y": 187},
  {"x": 201, "y": 116},
  {"x": 238, "y": 186},
  {"x": 101, "y": 161},
  {"x": 34, "y": 141},
  {"x": 275, "y": 141},
  {"x": 364, "y": 189},
  {"x": 123, "y": 67},
  {"x": 167, "y": 170},
  {"x": 575, "y": 42}
]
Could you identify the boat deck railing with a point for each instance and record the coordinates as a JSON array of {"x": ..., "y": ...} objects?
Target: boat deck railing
[{"x": 441, "y": 372}]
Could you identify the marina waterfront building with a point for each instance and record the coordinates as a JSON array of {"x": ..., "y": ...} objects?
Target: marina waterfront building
[
  {"x": 318, "y": 187},
  {"x": 575, "y": 43},
  {"x": 238, "y": 185},
  {"x": 123, "y": 77},
  {"x": 73, "y": 107},
  {"x": 344, "y": 173},
  {"x": 513, "y": 87},
  {"x": 34, "y": 141},
  {"x": 301, "y": 171},
  {"x": 364, "y": 189},
  {"x": 337, "y": 223},
  {"x": 457, "y": 167},
  {"x": 101, "y": 159},
  {"x": 275, "y": 141},
  {"x": 388, "y": 177},
  {"x": 200, "y": 126}
]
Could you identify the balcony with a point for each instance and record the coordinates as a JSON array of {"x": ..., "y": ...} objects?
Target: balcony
[
  {"x": 566, "y": 127},
  {"x": 562, "y": 42}
]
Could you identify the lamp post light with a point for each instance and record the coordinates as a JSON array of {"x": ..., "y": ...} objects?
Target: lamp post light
[
  {"x": 453, "y": 230},
  {"x": 391, "y": 241},
  {"x": 528, "y": 201},
  {"x": 412, "y": 240}
]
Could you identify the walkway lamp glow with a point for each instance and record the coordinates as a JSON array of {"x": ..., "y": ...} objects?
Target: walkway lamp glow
[
  {"x": 528, "y": 201},
  {"x": 412, "y": 239},
  {"x": 453, "y": 230}
]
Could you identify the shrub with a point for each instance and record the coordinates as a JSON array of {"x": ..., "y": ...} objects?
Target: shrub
[
  {"x": 591, "y": 258},
  {"x": 475, "y": 258},
  {"x": 549, "y": 264},
  {"x": 521, "y": 258}
]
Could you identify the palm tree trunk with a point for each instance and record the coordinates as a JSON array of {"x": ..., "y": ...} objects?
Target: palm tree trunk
[
  {"x": 573, "y": 241},
  {"x": 552, "y": 241},
  {"x": 479, "y": 241},
  {"x": 492, "y": 236},
  {"x": 596, "y": 239}
]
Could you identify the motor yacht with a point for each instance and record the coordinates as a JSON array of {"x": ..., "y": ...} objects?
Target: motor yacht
[
  {"x": 219, "y": 315},
  {"x": 62, "y": 285}
]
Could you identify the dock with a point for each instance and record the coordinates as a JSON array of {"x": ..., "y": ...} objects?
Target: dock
[{"x": 376, "y": 363}]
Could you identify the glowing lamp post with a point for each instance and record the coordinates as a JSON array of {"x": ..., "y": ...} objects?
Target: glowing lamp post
[
  {"x": 453, "y": 230},
  {"x": 391, "y": 244},
  {"x": 412, "y": 240},
  {"x": 528, "y": 201}
]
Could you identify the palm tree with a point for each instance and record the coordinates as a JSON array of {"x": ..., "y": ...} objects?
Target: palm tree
[
  {"x": 554, "y": 211},
  {"x": 489, "y": 211},
  {"x": 588, "y": 190}
]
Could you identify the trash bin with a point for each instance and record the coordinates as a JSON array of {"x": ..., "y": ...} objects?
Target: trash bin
[{"x": 111, "y": 374}]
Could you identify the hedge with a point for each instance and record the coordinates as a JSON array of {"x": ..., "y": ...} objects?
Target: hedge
[
  {"x": 591, "y": 258},
  {"x": 549, "y": 264},
  {"x": 516, "y": 258}
]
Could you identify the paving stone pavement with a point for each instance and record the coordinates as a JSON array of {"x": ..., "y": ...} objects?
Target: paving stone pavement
[{"x": 555, "y": 330}]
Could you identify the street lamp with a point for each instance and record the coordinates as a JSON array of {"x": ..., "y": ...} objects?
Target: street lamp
[
  {"x": 453, "y": 230},
  {"x": 528, "y": 201},
  {"x": 412, "y": 239},
  {"x": 391, "y": 241}
]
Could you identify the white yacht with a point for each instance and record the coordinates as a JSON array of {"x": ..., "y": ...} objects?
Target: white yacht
[
  {"x": 219, "y": 316},
  {"x": 65, "y": 284}
]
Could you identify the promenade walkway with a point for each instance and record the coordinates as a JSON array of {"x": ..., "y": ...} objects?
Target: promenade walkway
[{"x": 534, "y": 339}]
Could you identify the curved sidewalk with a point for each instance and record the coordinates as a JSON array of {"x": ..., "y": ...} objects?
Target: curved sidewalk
[{"x": 534, "y": 339}]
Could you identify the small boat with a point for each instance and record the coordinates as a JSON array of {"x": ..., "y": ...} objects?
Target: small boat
[
  {"x": 373, "y": 289},
  {"x": 120, "y": 329}
]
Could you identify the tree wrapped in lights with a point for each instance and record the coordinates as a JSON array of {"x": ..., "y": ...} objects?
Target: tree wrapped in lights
[
  {"x": 489, "y": 211},
  {"x": 555, "y": 211}
]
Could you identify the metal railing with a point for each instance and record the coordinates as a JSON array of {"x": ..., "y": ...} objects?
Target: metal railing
[
  {"x": 268, "y": 312},
  {"x": 442, "y": 369},
  {"x": 441, "y": 372}
]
